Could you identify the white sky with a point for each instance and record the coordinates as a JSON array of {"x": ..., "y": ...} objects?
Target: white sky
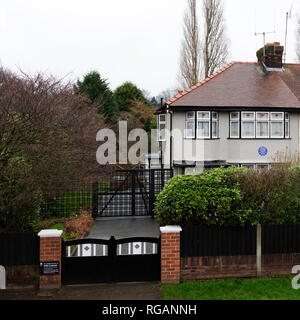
[{"x": 125, "y": 40}]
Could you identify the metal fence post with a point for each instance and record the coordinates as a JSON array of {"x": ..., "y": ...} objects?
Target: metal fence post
[
  {"x": 133, "y": 193},
  {"x": 152, "y": 192},
  {"x": 111, "y": 253},
  {"x": 95, "y": 199}
]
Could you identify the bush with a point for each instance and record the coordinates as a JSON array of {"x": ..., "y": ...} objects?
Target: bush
[
  {"x": 79, "y": 225},
  {"x": 211, "y": 198},
  {"x": 232, "y": 197}
]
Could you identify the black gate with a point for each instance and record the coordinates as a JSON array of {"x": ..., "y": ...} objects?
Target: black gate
[
  {"x": 99, "y": 261},
  {"x": 129, "y": 192}
]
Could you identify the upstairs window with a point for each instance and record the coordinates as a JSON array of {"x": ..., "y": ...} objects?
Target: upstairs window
[
  {"x": 162, "y": 127},
  {"x": 260, "y": 125},
  {"x": 201, "y": 125},
  {"x": 190, "y": 125}
]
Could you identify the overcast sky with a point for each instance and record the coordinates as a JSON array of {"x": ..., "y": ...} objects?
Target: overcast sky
[{"x": 135, "y": 40}]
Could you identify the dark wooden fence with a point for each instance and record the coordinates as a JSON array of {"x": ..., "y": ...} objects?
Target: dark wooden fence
[
  {"x": 197, "y": 241},
  {"x": 19, "y": 249}
]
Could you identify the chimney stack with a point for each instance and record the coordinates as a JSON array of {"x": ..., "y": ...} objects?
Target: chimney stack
[{"x": 271, "y": 55}]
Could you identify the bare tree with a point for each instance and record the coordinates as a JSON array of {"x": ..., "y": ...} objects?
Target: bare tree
[
  {"x": 190, "y": 47},
  {"x": 215, "y": 43}
]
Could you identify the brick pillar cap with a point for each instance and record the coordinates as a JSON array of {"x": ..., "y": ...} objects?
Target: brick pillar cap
[
  {"x": 170, "y": 229},
  {"x": 50, "y": 233}
]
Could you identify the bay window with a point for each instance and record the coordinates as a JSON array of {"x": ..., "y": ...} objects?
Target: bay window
[
  {"x": 260, "y": 125},
  {"x": 201, "y": 125}
]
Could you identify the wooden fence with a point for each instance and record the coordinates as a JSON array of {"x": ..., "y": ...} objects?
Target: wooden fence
[
  {"x": 18, "y": 249},
  {"x": 197, "y": 241}
]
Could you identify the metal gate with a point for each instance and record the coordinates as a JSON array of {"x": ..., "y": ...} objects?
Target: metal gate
[
  {"x": 129, "y": 192},
  {"x": 99, "y": 261}
]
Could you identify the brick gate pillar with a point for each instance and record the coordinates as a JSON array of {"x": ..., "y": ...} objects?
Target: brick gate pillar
[
  {"x": 50, "y": 259},
  {"x": 170, "y": 254}
]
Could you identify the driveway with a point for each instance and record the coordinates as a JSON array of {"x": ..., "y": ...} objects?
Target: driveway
[{"x": 124, "y": 227}]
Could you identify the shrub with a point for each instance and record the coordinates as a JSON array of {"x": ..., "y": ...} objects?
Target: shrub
[
  {"x": 232, "y": 197},
  {"x": 79, "y": 225},
  {"x": 211, "y": 198}
]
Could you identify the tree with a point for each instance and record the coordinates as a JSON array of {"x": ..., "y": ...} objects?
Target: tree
[
  {"x": 202, "y": 53},
  {"x": 47, "y": 142},
  {"x": 215, "y": 45},
  {"x": 126, "y": 94},
  {"x": 190, "y": 47},
  {"x": 98, "y": 92}
]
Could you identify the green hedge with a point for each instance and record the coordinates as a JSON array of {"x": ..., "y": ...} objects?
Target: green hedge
[{"x": 231, "y": 197}]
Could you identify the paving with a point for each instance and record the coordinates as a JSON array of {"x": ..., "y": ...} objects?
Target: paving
[
  {"x": 124, "y": 227},
  {"x": 116, "y": 291}
]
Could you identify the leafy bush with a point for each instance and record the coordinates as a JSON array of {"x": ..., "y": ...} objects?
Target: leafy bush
[
  {"x": 232, "y": 197},
  {"x": 211, "y": 198}
]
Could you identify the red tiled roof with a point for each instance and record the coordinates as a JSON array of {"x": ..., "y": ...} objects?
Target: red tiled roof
[{"x": 244, "y": 84}]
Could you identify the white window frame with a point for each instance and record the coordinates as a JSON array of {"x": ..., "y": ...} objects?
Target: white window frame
[
  {"x": 277, "y": 121},
  {"x": 215, "y": 121},
  {"x": 204, "y": 120},
  {"x": 263, "y": 121},
  {"x": 249, "y": 120},
  {"x": 284, "y": 120},
  {"x": 189, "y": 119},
  {"x": 162, "y": 122},
  {"x": 232, "y": 120}
]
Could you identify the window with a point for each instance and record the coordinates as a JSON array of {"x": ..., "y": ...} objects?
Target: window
[
  {"x": 215, "y": 125},
  {"x": 234, "y": 125},
  {"x": 190, "y": 125},
  {"x": 248, "y": 124},
  {"x": 162, "y": 127},
  {"x": 204, "y": 123},
  {"x": 277, "y": 125},
  {"x": 261, "y": 125}
]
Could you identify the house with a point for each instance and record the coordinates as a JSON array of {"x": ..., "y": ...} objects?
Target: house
[{"x": 246, "y": 114}]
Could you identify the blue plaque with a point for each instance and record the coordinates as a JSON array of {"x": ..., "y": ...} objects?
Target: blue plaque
[{"x": 263, "y": 151}]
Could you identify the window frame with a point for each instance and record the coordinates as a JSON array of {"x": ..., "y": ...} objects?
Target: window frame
[
  {"x": 164, "y": 122},
  {"x": 284, "y": 120}
]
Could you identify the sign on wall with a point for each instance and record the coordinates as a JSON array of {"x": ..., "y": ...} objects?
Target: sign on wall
[
  {"x": 49, "y": 268},
  {"x": 262, "y": 151}
]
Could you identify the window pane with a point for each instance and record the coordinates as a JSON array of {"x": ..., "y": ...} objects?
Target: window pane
[
  {"x": 248, "y": 129},
  {"x": 262, "y": 116},
  {"x": 276, "y": 115},
  {"x": 234, "y": 129},
  {"x": 162, "y": 118},
  {"x": 262, "y": 129},
  {"x": 215, "y": 115},
  {"x": 277, "y": 129},
  {"x": 250, "y": 166},
  {"x": 262, "y": 166},
  {"x": 287, "y": 129},
  {"x": 190, "y": 129},
  {"x": 203, "y": 115},
  {"x": 203, "y": 129},
  {"x": 287, "y": 116},
  {"x": 248, "y": 115},
  {"x": 234, "y": 115},
  {"x": 190, "y": 115},
  {"x": 215, "y": 130}
]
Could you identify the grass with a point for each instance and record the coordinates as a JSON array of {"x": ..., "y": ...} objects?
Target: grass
[
  {"x": 53, "y": 223},
  {"x": 238, "y": 289}
]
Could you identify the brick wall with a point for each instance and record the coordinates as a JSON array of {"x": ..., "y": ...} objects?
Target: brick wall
[
  {"x": 200, "y": 268},
  {"x": 50, "y": 251},
  {"x": 170, "y": 254}
]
